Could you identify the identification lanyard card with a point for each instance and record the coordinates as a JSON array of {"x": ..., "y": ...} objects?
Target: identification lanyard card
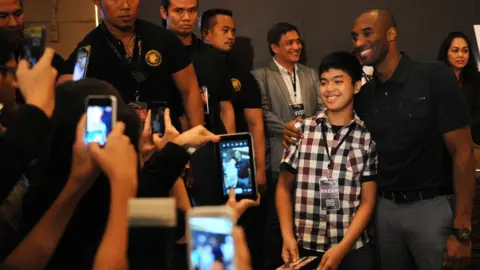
[
  {"x": 298, "y": 110},
  {"x": 205, "y": 96},
  {"x": 329, "y": 195}
]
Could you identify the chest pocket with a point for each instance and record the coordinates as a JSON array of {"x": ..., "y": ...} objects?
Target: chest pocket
[
  {"x": 356, "y": 160},
  {"x": 414, "y": 118}
]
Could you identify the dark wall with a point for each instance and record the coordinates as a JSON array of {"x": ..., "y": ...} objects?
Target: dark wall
[{"x": 325, "y": 24}]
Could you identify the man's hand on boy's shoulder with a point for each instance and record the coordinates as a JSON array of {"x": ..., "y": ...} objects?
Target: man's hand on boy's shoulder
[{"x": 291, "y": 134}]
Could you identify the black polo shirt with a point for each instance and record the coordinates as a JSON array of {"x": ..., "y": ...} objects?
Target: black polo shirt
[
  {"x": 407, "y": 116},
  {"x": 247, "y": 94},
  {"x": 212, "y": 72},
  {"x": 158, "y": 54}
]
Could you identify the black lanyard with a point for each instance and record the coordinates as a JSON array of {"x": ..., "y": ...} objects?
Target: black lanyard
[
  {"x": 294, "y": 83},
  {"x": 334, "y": 150}
]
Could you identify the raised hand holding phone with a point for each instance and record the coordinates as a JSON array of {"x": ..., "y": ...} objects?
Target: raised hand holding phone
[
  {"x": 117, "y": 158},
  {"x": 37, "y": 84}
]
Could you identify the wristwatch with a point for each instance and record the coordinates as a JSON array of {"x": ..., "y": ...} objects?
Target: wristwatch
[{"x": 462, "y": 234}]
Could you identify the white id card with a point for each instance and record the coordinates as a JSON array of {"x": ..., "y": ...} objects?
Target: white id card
[{"x": 329, "y": 195}]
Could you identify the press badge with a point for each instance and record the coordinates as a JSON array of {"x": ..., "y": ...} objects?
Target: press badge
[
  {"x": 298, "y": 110},
  {"x": 204, "y": 94},
  {"x": 329, "y": 195}
]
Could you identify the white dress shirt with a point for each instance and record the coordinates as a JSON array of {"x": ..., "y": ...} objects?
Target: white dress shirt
[{"x": 295, "y": 95}]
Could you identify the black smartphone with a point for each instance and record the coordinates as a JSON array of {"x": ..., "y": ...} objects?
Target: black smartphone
[
  {"x": 158, "y": 114},
  {"x": 81, "y": 65},
  {"x": 101, "y": 116},
  {"x": 33, "y": 44},
  {"x": 236, "y": 163}
]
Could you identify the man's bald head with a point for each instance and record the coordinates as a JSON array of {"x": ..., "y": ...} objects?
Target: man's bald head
[
  {"x": 382, "y": 17},
  {"x": 374, "y": 35}
]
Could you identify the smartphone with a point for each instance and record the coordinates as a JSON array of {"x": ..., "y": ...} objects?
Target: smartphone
[
  {"x": 101, "y": 116},
  {"x": 236, "y": 163},
  {"x": 33, "y": 44},
  {"x": 209, "y": 235},
  {"x": 81, "y": 65},
  {"x": 158, "y": 120}
]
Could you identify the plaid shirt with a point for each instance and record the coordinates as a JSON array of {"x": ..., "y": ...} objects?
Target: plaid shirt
[{"x": 354, "y": 162}]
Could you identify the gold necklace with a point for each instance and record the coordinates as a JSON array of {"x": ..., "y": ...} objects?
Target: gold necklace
[{"x": 130, "y": 46}]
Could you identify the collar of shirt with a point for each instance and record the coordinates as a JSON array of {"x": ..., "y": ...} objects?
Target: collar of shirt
[
  {"x": 322, "y": 117},
  {"x": 400, "y": 75},
  {"x": 118, "y": 43},
  {"x": 284, "y": 70}
]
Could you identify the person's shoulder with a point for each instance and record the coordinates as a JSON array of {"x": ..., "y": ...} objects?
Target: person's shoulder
[
  {"x": 151, "y": 31},
  {"x": 305, "y": 68},
  {"x": 260, "y": 73},
  {"x": 95, "y": 35}
]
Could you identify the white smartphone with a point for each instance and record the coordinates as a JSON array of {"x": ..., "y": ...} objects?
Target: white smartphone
[
  {"x": 81, "y": 65},
  {"x": 210, "y": 241},
  {"x": 101, "y": 116}
]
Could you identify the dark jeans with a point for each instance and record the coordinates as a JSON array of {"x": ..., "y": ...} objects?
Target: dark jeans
[
  {"x": 357, "y": 259},
  {"x": 273, "y": 236}
]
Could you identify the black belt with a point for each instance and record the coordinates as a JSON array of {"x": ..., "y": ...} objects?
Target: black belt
[{"x": 401, "y": 197}]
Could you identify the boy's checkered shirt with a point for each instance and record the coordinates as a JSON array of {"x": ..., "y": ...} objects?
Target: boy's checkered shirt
[{"x": 354, "y": 163}]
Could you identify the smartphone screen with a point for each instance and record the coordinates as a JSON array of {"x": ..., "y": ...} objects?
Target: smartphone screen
[
  {"x": 80, "y": 69},
  {"x": 212, "y": 244},
  {"x": 158, "y": 113},
  {"x": 101, "y": 115},
  {"x": 33, "y": 44},
  {"x": 236, "y": 159}
]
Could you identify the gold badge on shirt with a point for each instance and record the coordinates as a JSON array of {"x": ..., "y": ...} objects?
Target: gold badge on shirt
[
  {"x": 153, "y": 58},
  {"x": 236, "y": 84}
]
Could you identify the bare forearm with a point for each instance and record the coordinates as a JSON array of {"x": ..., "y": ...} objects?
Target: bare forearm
[
  {"x": 228, "y": 116},
  {"x": 181, "y": 196},
  {"x": 41, "y": 242},
  {"x": 256, "y": 128},
  {"x": 358, "y": 226},
  {"x": 284, "y": 210},
  {"x": 465, "y": 186},
  {"x": 112, "y": 253},
  {"x": 193, "y": 107}
]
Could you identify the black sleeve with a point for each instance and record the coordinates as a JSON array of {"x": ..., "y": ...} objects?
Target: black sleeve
[
  {"x": 251, "y": 97},
  {"x": 160, "y": 173},
  {"x": 449, "y": 103},
  {"x": 176, "y": 54},
  {"x": 226, "y": 91},
  {"x": 20, "y": 145},
  {"x": 59, "y": 64},
  {"x": 284, "y": 166}
]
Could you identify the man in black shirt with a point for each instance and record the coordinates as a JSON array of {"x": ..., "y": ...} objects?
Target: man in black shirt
[
  {"x": 218, "y": 29},
  {"x": 12, "y": 21},
  {"x": 139, "y": 58}
]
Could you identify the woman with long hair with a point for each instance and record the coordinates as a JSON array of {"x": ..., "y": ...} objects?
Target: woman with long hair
[{"x": 456, "y": 51}]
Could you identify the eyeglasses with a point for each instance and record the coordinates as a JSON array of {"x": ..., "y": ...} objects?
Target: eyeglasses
[{"x": 6, "y": 69}]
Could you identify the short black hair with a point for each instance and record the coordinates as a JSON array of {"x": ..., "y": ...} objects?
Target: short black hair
[
  {"x": 208, "y": 17},
  {"x": 344, "y": 61},
  {"x": 7, "y": 47},
  {"x": 277, "y": 31},
  {"x": 166, "y": 3},
  {"x": 469, "y": 72}
]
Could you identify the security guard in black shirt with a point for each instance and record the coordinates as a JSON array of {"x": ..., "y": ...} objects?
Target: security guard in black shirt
[
  {"x": 218, "y": 30},
  {"x": 138, "y": 58}
]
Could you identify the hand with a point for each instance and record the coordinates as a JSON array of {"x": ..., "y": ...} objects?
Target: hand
[
  {"x": 457, "y": 255},
  {"x": 117, "y": 159},
  {"x": 84, "y": 170},
  {"x": 196, "y": 137},
  {"x": 332, "y": 258},
  {"x": 289, "y": 250},
  {"x": 241, "y": 206},
  {"x": 169, "y": 135},
  {"x": 242, "y": 253},
  {"x": 37, "y": 84},
  {"x": 146, "y": 145},
  {"x": 289, "y": 131}
]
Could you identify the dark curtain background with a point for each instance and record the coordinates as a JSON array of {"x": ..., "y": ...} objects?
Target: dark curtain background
[{"x": 325, "y": 24}]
